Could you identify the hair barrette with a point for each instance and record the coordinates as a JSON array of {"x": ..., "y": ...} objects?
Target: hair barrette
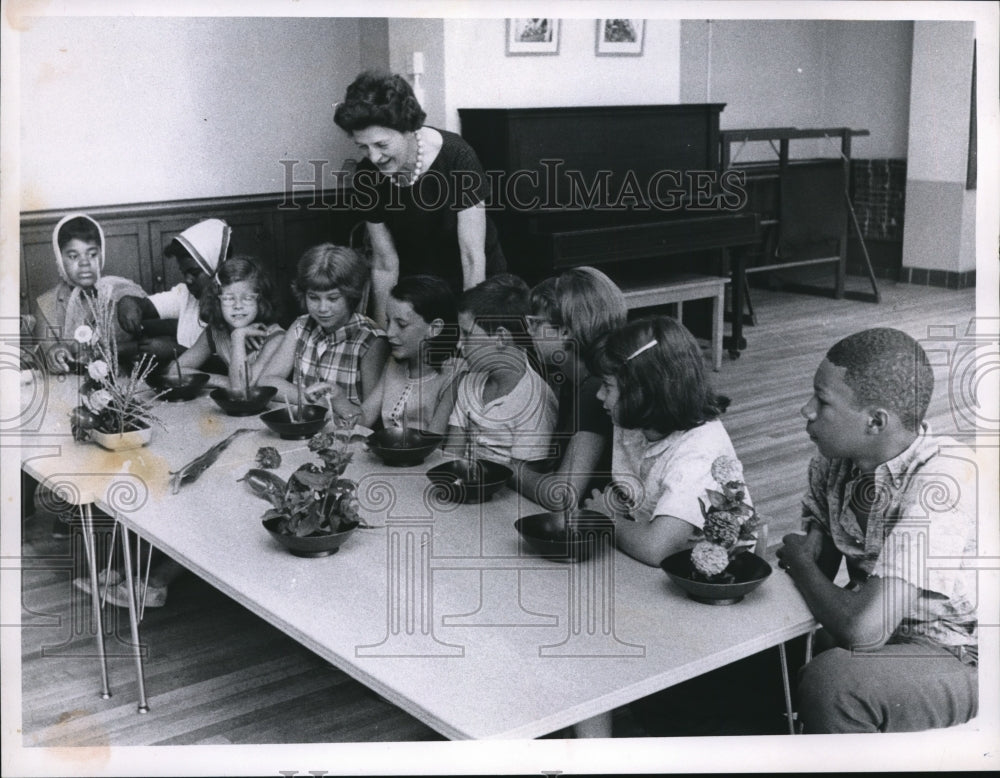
[{"x": 639, "y": 350}]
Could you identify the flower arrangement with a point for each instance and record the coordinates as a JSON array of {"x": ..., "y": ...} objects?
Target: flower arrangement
[
  {"x": 111, "y": 402},
  {"x": 731, "y": 525},
  {"x": 316, "y": 499}
]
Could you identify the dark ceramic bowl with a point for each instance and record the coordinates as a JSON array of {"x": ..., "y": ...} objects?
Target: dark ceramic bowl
[
  {"x": 459, "y": 480},
  {"x": 310, "y": 545},
  {"x": 237, "y": 405},
  {"x": 311, "y": 419},
  {"x": 400, "y": 448},
  {"x": 748, "y": 570},
  {"x": 174, "y": 389},
  {"x": 551, "y": 536}
]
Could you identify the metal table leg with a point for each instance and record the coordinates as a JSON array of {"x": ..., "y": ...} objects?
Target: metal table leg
[
  {"x": 133, "y": 621},
  {"x": 788, "y": 688},
  {"x": 90, "y": 547}
]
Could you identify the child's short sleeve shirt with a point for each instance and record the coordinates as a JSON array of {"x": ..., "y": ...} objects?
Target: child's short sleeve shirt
[
  {"x": 669, "y": 477},
  {"x": 921, "y": 529},
  {"x": 517, "y": 426}
]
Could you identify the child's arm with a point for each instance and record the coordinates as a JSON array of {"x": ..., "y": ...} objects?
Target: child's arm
[
  {"x": 238, "y": 367},
  {"x": 193, "y": 358},
  {"x": 863, "y": 618},
  {"x": 277, "y": 369},
  {"x": 372, "y": 364},
  {"x": 445, "y": 405},
  {"x": 653, "y": 541},
  {"x": 455, "y": 441},
  {"x": 562, "y": 489}
]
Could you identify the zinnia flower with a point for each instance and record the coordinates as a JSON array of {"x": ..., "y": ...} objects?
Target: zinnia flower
[
  {"x": 722, "y": 527},
  {"x": 83, "y": 334},
  {"x": 709, "y": 558},
  {"x": 98, "y": 369},
  {"x": 727, "y": 469}
]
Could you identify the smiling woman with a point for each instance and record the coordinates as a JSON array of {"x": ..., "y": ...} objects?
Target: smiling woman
[{"x": 422, "y": 190}]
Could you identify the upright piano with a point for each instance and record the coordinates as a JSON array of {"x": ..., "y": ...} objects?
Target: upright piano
[{"x": 637, "y": 191}]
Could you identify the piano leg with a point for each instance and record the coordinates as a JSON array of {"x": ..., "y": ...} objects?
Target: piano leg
[{"x": 735, "y": 343}]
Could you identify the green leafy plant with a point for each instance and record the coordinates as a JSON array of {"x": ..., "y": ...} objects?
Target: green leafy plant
[{"x": 316, "y": 499}]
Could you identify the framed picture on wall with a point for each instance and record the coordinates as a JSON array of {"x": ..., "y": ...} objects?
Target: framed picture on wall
[
  {"x": 532, "y": 36},
  {"x": 620, "y": 37}
]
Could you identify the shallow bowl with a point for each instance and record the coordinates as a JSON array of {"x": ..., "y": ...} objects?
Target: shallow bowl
[
  {"x": 551, "y": 536},
  {"x": 237, "y": 405},
  {"x": 311, "y": 419},
  {"x": 175, "y": 389},
  {"x": 459, "y": 480},
  {"x": 310, "y": 545},
  {"x": 748, "y": 569},
  {"x": 400, "y": 448}
]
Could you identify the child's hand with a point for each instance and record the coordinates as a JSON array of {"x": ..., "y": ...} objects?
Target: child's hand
[
  {"x": 252, "y": 335},
  {"x": 319, "y": 391},
  {"x": 797, "y": 551},
  {"x": 608, "y": 503}
]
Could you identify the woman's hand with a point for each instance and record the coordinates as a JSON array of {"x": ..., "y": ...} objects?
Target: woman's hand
[{"x": 319, "y": 391}]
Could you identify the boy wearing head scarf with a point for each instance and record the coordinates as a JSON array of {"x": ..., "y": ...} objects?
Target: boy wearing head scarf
[
  {"x": 197, "y": 251},
  {"x": 78, "y": 246}
]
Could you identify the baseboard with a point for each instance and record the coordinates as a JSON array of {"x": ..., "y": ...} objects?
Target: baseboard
[{"x": 949, "y": 279}]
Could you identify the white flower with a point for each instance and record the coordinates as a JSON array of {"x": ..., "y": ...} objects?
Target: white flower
[
  {"x": 727, "y": 469},
  {"x": 98, "y": 369},
  {"x": 98, "y": 400},
  {"x": 83, "y": 334}
]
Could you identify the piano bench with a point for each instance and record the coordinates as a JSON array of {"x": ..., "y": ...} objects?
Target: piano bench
[{"x": 678, "y": 289}]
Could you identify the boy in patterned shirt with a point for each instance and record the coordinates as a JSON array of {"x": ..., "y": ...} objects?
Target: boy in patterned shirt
[{"x": 898, "y": 506}]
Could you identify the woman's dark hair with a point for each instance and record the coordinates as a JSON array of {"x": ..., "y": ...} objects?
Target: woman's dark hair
[
  {"x": 431, "y": 298},
  {"x": 379, "y": 99},
  {"x": 325, "y": 267},
  {"x": 238, "y": 268},
  {"x": 79, "y": 228},
  {"x": 660, "y": 373}
]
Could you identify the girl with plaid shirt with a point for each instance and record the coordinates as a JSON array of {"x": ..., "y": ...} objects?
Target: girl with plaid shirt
[{"x": 332, "y": 346}]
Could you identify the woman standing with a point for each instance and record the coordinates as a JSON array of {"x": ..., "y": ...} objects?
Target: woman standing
[{"x": 422, "y": 191}]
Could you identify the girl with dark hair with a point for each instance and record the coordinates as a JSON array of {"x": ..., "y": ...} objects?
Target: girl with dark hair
[
  {"x": 421, "y": 374},
  {"x": 667, "y": 435},
  {"x": 422, "y": 191},
  {"x": 239, "y": 314}
]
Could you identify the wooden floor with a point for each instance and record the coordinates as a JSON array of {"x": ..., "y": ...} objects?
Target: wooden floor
[{"x": 217, "y": 674}]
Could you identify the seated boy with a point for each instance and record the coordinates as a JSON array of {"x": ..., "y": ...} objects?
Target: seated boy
[
  {"x": 78, "y": 246},
  {"x": 504, "y": 410},
  {"x": 898, "y": 505},
  {"x": 197, "y": 251}
]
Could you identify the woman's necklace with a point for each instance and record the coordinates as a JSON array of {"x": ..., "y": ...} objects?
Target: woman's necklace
[{"x": 418, "y": 166}]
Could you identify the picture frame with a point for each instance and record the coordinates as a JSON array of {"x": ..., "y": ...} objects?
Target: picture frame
[
  {"x": 532, "y": 36},
  {"x": 620, "y": 37}
]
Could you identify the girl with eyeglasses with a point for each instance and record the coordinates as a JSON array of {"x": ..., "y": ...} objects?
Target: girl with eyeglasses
[{"x": 238, "y": 311}]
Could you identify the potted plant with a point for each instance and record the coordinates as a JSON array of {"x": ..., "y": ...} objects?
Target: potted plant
[
  {"x": 115, "y": 411},
  {"x": 315, "y": 510},
  {"x": 721, "y": 569}
]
